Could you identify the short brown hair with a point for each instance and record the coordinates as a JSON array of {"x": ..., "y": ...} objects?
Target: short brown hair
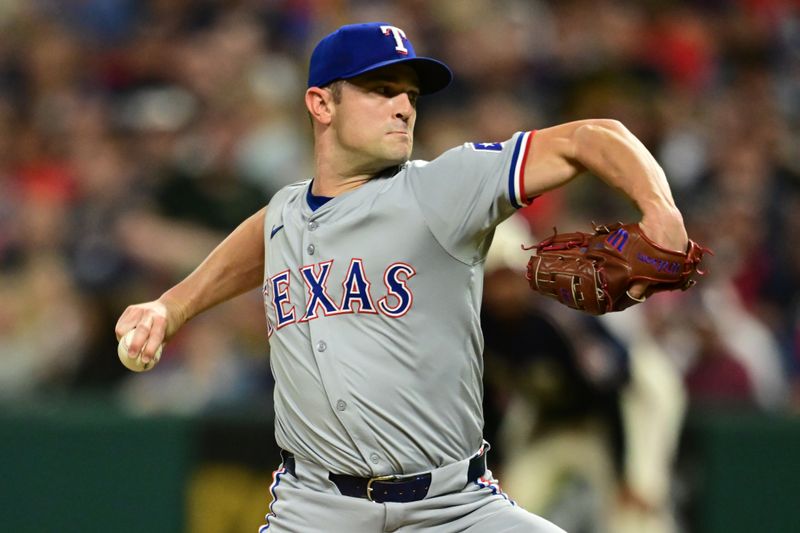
[{"x": 335, "y": 87}]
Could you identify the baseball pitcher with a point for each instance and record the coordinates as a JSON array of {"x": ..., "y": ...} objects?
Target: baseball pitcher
[{"x": 371, "y": 273}]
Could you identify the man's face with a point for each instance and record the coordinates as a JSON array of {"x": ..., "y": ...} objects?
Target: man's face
[{"x": 374, "y": 120}]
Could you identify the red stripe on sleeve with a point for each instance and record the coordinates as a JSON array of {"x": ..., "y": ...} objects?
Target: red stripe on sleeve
[{"x": 522, "y": 195}]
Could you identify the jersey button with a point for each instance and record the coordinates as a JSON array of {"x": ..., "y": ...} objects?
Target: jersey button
[
  {"x": 341, "y": 405},
  {"x": 310, "y": 249},
  {"x": 312, "y": 225},
  {"x": 321, "y": 346},
  {"x": 375, "y": 458}
]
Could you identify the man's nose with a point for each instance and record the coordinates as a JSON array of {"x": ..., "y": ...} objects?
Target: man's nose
[{"x": 404, "y": 108}]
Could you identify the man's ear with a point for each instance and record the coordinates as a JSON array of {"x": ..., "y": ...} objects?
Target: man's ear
[{"x": 319, "y": 104}]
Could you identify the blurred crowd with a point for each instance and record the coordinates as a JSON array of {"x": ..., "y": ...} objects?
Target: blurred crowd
[{"x": 134, "y": 134}]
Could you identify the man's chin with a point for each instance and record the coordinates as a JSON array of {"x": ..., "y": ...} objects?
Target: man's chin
[
  {"x": 390, "y": 158},
  {"x": 399, "y": 152},
  {"x": 398, "y": 159}
]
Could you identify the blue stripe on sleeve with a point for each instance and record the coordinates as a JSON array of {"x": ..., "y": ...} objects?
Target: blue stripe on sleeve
[{"x": 512, "y": 195}]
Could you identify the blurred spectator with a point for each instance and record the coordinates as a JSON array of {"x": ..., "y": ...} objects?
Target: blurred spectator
[{"x": 39, "y": 341}]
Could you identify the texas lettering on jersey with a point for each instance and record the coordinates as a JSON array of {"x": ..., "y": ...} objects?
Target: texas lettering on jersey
[{"x": 356, "y": 295}]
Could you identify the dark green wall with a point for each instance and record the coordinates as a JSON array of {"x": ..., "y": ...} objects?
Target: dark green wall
[
  {"x": 747, "y": 473},
  {"x": 92, "y": 469}
]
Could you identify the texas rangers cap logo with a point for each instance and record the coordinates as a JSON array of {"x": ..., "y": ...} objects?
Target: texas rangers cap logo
[{"x": 398, "y": 35}]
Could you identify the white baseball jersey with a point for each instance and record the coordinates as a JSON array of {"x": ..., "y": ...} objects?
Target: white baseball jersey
[{"x": 373, "y": 309}]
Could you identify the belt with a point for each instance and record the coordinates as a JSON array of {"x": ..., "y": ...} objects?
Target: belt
[{"x": 391, "y": 488}]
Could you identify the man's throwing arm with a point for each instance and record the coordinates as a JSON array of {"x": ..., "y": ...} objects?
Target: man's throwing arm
[{"x": 235, "y": 266}]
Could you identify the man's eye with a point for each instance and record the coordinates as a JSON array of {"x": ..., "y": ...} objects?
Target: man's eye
[{"x": 382, "y": 89}]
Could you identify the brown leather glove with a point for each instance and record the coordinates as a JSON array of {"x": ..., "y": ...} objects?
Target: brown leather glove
[{"x": 593, "y": 272}]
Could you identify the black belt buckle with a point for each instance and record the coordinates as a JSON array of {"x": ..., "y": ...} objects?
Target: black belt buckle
[
  {"x": 395, "y": 488},
  {"x": 372, "y": 480}
]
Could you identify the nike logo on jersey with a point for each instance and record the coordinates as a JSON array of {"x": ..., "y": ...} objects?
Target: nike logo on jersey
[
  {"x": 356, "y": 294},
  {"x": 275, "y": 229}
]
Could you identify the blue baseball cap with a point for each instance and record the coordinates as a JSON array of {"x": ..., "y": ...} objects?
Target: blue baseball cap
[{"x": 358, "y": 48}]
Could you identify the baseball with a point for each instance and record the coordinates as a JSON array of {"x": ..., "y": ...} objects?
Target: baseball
[{"x": 134, "y": 361}]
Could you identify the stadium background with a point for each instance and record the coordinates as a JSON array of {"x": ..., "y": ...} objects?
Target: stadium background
[{"x": 135, "y": 134}]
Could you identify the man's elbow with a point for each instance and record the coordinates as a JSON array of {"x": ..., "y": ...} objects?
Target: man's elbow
[
  {"x": 594, "y": 134},
  {"x": 604, "y": 125}
]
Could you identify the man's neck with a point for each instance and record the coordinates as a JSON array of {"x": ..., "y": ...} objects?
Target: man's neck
[
  {"x": 331, "y": 179},
  {"x": 331, "y": 185}
]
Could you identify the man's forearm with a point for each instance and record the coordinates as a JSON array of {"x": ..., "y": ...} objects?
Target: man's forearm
[
  {"x": 235, "y": 266},
  {"x": 615, "y": 155}
]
